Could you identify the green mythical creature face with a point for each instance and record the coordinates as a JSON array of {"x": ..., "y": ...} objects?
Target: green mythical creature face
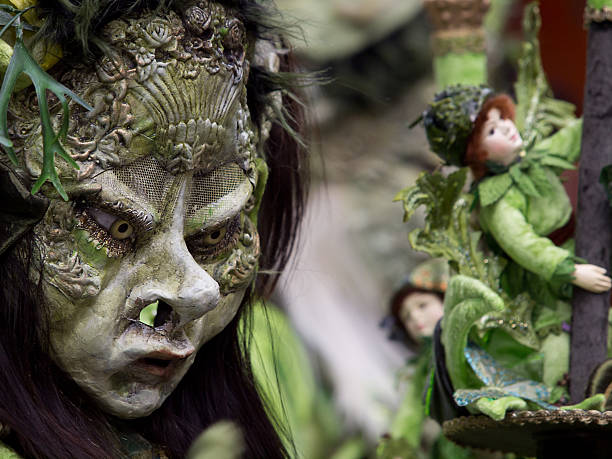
[{"x": 161, "y": 209}]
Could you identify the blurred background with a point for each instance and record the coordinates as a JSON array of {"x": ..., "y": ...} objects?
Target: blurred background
[{"x": 354, "y": 249}]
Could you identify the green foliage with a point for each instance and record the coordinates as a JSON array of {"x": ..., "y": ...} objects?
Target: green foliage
[
  {"x": 448, "y": 234},
  {"x": 538, "y": 113},
  {"x": 447, "y": 230},
  {"x": 22, "y": 62}
]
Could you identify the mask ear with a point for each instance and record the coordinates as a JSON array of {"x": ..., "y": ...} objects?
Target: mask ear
[
  {"x": 260, "y": 188},
  {"x": 267, "y": 60},
  {"x": 19, "y": 209}
]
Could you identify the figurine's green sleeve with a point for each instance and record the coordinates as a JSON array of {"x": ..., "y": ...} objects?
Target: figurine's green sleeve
[
  {"x": 565, "y": 143},
  {"x": 507, "y": 223}
]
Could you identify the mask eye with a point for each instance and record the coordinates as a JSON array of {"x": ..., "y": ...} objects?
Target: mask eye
[
  {"x": 214, "y": 241},
  {"x": 492, "y": 131},
  {"x": 117, "y": 227},
  {"x": 215, "y": 236},
  {"x": 121, "y": 229}
]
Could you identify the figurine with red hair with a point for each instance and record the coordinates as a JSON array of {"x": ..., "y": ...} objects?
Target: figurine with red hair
[
  {"x": 521, "y": 199},
  {"x": 510, "y": 306}
]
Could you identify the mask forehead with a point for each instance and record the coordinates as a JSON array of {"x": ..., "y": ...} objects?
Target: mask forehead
[{"x": 172, "y": 87}]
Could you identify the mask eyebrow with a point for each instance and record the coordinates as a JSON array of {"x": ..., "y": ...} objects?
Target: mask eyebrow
[
  {"x": 217, "y": 197},
  {"x": 145, "y": 181}
]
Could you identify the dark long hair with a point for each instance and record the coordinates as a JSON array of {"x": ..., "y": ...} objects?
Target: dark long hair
[{"x": 50, "y": 416}]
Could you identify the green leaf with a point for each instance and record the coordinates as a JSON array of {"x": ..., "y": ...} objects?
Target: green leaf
[
  {"x": 22, "y": 62},
  {"x": 555, "y": 161},
  {"x": 523, "y": 181},
  {"x": 538, "y": 114},
  {"x": 493, "y": 188},
  {"x": 540, "y": 178}
]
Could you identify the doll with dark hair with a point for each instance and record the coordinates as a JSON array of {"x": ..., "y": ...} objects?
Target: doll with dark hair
[
  {"x": 417, "y": 305},
  {"x": 416, "y": 308},
  {"x": 127, "y": 281}
]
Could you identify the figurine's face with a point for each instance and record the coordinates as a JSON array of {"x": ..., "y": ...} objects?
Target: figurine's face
[
  {"x": 153, "y": 253},
  {"x": 420, "y": 313},
  {"x": 500, "y": 138}
]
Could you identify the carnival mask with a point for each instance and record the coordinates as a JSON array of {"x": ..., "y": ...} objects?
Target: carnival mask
[{"x": 152, "y": 254}]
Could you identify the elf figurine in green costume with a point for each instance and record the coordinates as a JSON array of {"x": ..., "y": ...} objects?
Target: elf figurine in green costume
[{"x": 520, "y": 201}]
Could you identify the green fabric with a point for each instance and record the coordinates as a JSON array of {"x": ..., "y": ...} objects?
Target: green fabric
[
  {"x": 496, "y": 409},
  {"x": 7, "y": 453},
  {"x": 464, "y": 68},
  {"x": 408, "y": 421},
  {"x": 556, "y": 352},
  {"x": 286, "y": 381},
  {"x": 521, "y": 231},
  {"x": 599, "y": 3},
  {"x": 596, "y": 402},
  {"x": 530, "y": 199}
]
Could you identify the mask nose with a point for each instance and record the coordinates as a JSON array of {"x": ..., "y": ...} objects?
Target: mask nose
[{"x": 177, "y": 279}]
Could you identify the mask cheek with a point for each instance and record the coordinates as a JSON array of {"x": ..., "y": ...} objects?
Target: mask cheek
[
  {"x": 205, "y": 328},
  {"x": 64, "y": 266},
  {"x": 238, "y": 270}
]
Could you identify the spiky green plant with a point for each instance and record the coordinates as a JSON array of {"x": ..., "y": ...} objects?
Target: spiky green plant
[
  {"x": 448, "y": 234},
  {"x": 23, "y": 62},
  {"x": 538, "y": 113}
]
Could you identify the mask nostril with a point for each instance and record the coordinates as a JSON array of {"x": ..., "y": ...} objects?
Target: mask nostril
[
  {"x": 156, "y": 314},
  {"x": 164, "y": 314}
]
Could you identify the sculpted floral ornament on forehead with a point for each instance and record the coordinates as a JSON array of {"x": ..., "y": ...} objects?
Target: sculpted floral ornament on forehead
[{"x": 184, "y": 76}]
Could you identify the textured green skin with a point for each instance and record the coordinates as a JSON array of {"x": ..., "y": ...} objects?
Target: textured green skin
[
  {"x": 190, "y": 125},
  {"x": 465, "y": 68}
]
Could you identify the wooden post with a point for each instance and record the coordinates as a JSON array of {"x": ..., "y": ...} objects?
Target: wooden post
[
  {"x": 590, "y": 311},
  {"x": 458, "y": 41}
]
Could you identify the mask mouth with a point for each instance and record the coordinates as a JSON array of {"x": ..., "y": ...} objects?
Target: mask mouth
[{"x": 160, "y": 363}]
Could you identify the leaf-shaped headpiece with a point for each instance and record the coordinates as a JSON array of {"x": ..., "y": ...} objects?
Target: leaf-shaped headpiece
[{"x": 449, "y": 119}]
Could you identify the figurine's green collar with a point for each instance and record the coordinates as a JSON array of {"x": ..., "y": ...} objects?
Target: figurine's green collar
[{"x": 527, "y": 173}]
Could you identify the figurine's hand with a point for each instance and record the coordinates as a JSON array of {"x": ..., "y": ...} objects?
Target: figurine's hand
[{"x": 592, "y": 278}]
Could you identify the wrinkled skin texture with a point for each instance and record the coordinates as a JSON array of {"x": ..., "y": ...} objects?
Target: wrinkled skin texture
[
  {"x": 160, "y": 210},
  {"x": 420, "y": 313}
]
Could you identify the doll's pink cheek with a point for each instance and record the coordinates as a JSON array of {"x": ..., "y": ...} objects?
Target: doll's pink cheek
[{"x": 497, "y": 146}]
